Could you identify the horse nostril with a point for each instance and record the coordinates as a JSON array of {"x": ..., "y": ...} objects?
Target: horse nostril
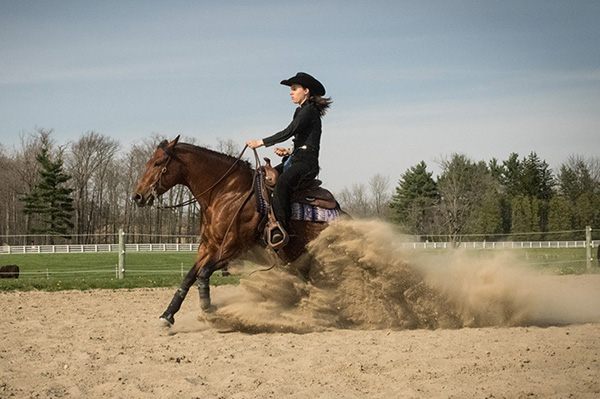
[{"x": 137, "y": 198}]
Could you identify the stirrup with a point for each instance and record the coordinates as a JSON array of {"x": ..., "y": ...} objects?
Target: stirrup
[{"x": 269, "y": 235}]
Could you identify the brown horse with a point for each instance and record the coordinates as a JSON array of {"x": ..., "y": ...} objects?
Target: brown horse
[{"x": 222, "y": 185}]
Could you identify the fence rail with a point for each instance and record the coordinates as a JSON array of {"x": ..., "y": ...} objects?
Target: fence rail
[
  {"x": 176, "y": 247},
  {"x": 95, "y": 248},
  {"x": 499, "y": 244}
]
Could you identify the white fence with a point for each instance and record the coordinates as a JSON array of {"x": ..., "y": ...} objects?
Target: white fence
[
  {"x": 96, "y": 248},
  {"x": 499, "y": 245}
]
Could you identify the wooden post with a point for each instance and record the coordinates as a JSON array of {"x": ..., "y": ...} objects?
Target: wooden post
[
  {"x": 588, "y": 247},
  {"x": 121, "y": 267}
]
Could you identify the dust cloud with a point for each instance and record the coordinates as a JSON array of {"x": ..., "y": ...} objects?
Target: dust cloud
[{"x": 357, "y": 276}]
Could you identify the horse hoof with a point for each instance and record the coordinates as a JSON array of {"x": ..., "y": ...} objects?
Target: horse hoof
[
  {"x": 209, "y": 309},
  {"x": 167, "y": 320}
]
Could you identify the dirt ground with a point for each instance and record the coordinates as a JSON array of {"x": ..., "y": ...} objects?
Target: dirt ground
[
  {"x": 374, "y": 322},
  {"x": 108, "y": 344}
]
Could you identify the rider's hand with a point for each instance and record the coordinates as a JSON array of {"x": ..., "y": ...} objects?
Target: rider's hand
[
  {"x": 254, "y": 143},
  {"x": 281, "y": 151}
]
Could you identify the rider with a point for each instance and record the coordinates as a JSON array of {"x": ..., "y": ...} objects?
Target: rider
[{"x": 302, "y": 161}]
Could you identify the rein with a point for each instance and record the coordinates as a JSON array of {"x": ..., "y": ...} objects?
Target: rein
[
  {"x": 246, "y": 197},
  {"x": 193, "y": 200}
]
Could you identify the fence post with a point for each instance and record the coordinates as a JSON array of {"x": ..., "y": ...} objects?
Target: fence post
[
  {"x": 588, "y": 247},
  {"x": 121, "y": 267}
]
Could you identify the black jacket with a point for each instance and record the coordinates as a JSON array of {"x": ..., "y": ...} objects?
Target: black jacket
[{"x": 306, "y": 130}]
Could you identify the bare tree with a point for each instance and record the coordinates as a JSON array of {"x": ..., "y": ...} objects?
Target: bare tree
[
  {"x": 88, "y": 163},
  {"x": 462, "y": 187},
  {"x": 229, "y": 147},
  {"x": 356, "y": 201},
  {"x": 381, "y": 196}
]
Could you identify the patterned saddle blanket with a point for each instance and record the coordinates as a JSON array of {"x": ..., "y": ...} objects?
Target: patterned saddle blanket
[{"x": 303, "y": 209}]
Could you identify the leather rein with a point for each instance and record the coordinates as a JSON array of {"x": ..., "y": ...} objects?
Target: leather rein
[{"x": 158, "y": 183}]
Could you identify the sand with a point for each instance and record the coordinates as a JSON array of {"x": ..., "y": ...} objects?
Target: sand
[
  {"x": 373, "y": 323},
  {"x": 108, "y": 344}
]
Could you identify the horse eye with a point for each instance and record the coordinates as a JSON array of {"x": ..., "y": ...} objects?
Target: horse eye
[{"x": 157, "y": 163}]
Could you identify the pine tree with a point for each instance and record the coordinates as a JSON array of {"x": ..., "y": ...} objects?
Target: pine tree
[
  {"x": 525, "y": 218},
  {"x": 49, "y": 200},
  {"x": 560, "y": 218},
  {"x": 415, "y": 197},
  {"x": 536, "y": 179},
  {"x": 486, "y": 218}
]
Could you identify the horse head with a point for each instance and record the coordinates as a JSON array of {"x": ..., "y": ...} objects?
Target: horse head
[{"x": 158, "y": 177}]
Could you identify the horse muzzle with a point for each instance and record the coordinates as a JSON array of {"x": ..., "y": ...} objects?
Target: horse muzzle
[{"x": 143, "y": 200}]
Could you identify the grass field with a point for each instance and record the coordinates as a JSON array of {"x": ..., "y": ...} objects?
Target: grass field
[
  {"x": 559, "y": 261},
  {"x": 53, "y": 272}
]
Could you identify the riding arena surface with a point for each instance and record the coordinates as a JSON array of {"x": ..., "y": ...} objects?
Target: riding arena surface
[{"x": 374, "y": 322}]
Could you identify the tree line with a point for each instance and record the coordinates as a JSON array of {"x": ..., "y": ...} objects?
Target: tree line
[
  {"x": 96, "y": 179},
  {"x": 79, "y": 192},
  {"x": 519, "y": 198}
]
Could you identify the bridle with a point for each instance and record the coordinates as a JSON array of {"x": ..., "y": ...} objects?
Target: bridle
[
  {"x": 245, "y": 198},
  {"x": 169, "y": 152},
  {"x": 158, "y": 183}
]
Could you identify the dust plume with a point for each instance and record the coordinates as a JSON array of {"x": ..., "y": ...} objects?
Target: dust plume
[{"x": 360, "y": 278}]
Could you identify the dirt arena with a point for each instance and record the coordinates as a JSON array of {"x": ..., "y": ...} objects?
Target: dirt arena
[{"x": 382, "y": 326}]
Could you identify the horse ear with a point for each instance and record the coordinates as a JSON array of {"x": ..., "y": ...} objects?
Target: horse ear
[{"x": 172, "y": 143}]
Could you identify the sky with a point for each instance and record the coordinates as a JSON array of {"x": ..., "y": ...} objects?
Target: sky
[{"x": 411, "y": 81}]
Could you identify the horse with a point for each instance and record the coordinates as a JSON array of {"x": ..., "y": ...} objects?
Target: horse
[{"x": 231, "y": 223}]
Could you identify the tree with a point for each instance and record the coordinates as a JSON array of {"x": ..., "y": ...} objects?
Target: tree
[
  {"x": 229, "y": 147},
  {"x": 525, "y": 218},
  {"x": 380, "y": 187},
  {"x": 511, "y": 175},
  {"x": 587, "y": 211},
  {"x": 575, "y": 178},
  {"x": 415, "y": 198},
  {"x": 356, "y": 201},
  {"x": 536, "y": 178},
  {"x": 462, "y": 187},
  {"x": 88, "y": 163},
  {"x": 50, "y": 200},
  {"x": 530, "y": 177},
  {"x": 487, "y": 217},
  {"x": 560, "y": 218}
]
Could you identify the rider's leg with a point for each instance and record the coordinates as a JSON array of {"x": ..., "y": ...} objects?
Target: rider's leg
[{"x": 286, "y": 183}]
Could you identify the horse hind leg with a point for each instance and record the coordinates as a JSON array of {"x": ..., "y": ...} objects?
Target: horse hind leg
[{"x": 203, "y": 284}]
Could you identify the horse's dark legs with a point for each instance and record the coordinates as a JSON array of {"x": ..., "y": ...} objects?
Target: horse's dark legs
[
  {"x": 203, "y": 285},
  {"x": 179, "y": 296},
  {"x": 203, "y": 279}
]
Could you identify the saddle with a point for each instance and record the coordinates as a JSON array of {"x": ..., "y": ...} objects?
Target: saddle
[{"x": 309, "y": 193}]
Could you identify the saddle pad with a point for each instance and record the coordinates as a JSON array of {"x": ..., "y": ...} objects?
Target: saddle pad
[
  {"x": 311, "y": 213},
  {"x": 302, "y": 212}
]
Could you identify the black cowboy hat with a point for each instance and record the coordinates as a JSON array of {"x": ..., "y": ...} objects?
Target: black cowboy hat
[{"x": 306, "y": 81}]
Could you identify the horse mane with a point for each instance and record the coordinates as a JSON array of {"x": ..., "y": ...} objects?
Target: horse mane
[{"x": 211, "y": 155}]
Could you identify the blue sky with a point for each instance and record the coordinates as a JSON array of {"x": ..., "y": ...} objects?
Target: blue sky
[{"x": 410, "y": 80}]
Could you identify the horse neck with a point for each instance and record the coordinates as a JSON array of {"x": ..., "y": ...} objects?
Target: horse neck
[{"x": 209, "y": 174}]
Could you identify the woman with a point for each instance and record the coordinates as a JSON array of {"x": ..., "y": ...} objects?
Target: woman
[{"x": 303, "y": 161}]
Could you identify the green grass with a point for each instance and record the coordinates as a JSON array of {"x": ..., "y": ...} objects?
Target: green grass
[
  {"x": 559, "y": 261},
  {"x": 55, "y": 272}
]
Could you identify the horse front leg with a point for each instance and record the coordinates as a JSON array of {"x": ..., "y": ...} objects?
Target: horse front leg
[{"x": 169, "y": 315}]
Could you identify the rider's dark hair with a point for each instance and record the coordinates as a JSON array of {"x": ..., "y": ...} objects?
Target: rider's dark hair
[{"x": 322, "y": 103}]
